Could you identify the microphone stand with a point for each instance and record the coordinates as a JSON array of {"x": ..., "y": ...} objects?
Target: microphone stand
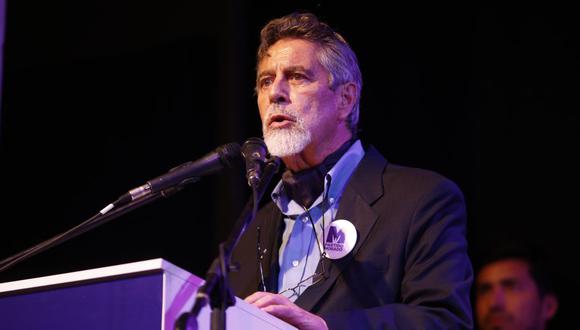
[
  {"x": 91, "y": 223},
  {"x": 216, "y": 288},
  {"x": 164, "y": 185}
]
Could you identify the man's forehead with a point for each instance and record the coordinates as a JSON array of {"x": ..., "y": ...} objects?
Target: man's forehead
[
  {"x": 504, "y": 269},
  {"x": 289, "y": 52}
]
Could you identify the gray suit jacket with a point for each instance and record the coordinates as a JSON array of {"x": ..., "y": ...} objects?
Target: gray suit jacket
[{"x": 409, "y": 268}]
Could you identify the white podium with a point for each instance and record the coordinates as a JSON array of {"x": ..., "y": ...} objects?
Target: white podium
[{"x": 142, "y": 295}]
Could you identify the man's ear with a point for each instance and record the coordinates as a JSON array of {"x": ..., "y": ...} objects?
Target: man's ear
[
  {"x": 348, "y": 93},
  {"x": 549, "y": 306}
]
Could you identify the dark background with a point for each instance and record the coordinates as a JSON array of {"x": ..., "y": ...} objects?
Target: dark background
[{"x": 100, "y": 96}]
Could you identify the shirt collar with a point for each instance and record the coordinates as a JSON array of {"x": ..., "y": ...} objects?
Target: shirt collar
[{"x": 334, "y": 182}]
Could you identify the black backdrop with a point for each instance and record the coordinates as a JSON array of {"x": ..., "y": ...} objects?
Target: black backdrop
[{"x": 99, "y": 96}]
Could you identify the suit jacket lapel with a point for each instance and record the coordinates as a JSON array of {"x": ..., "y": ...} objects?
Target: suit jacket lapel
[
  {"x": 271, "y": 235},
  {"x": 363, "y": 189}
]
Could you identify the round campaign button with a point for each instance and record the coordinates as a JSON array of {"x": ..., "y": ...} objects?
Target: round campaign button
[{"x": 340, "y": 239}]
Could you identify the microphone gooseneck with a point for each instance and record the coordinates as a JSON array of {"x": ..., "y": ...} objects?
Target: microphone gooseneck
[{"x": 254, "y": 152}]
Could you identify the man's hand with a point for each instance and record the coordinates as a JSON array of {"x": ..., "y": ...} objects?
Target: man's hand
[{"x": 286, "y": 310}]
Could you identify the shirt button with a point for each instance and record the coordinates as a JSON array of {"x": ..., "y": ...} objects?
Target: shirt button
[
  {"x": 331, "y": 200},
  {"x": 295, "y": 263},
  {"x": 305, "y": 219}
]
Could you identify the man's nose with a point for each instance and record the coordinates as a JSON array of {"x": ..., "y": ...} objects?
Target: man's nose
[
  {"x": 498, "y": 298},
  {"x": 279, "y": 91}
]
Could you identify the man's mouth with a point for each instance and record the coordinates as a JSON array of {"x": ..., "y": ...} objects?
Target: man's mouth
[
  {"x": 280, "y": 121},
  {"x": 497, "y": 319}
]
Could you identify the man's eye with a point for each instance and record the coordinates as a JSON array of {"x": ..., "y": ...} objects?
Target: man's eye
[
  {"x": 265, "y": 82},
  {"x": 297, "y": 76},
  {"x": 483, "y": 289}
]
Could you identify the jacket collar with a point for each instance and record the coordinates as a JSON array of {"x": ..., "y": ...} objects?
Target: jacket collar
[{"x": 363, "y": 189}]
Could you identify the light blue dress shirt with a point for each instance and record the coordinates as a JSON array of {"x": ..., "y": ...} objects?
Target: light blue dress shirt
[{"x": 299, "y": 254}]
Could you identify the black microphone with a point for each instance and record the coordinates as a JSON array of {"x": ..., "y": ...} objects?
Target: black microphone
[
  {"x": 223, "y": 156},
  {"x": 254, "y": 151}
]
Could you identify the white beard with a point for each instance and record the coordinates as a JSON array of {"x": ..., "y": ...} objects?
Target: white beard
[{"x": 282, "y": 142}]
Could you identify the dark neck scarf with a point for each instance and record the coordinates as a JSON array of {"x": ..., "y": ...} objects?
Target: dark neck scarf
[{"x": 305, "y": 186}]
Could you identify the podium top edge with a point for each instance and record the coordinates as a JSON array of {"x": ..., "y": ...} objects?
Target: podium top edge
[{"x": 121, "y": 270}]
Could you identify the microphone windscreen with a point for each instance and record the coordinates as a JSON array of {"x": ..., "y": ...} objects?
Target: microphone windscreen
[
  {"x": 229, "y": 154},
  {"x": 254, "y": 148}
]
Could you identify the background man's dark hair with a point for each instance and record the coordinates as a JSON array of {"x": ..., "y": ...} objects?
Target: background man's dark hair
[{"x": 537, "y": 261}]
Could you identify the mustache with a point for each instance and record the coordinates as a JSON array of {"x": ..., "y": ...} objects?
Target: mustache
[{"x": 276, "y": 111}]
